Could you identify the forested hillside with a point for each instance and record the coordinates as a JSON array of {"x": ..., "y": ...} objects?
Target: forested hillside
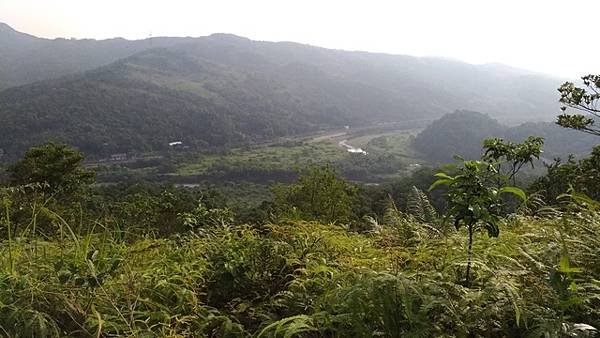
[
  {"x": 222, "y": 89},
  {"x": 462, "y": 133}
]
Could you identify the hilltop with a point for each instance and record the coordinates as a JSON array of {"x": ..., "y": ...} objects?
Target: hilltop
[{"x": 462, "y": 133}]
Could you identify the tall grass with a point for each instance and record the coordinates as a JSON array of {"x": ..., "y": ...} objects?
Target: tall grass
[{"x": 301, "y": 279}]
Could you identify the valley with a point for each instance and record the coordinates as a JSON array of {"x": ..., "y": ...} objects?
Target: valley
[
  {"x": 222, "y": 91},
  {"x": 215, "y": 185},
  {"x": 390, "y": 155}
]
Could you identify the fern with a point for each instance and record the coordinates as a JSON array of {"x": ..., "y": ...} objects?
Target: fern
[
  {"x": 419, "y": 206},
  {"x": 289, "y": 327}
]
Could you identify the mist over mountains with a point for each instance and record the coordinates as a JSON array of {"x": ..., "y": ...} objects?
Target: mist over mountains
[
  {"x": 25, "y": 58},
  {"x": 120, "y": 95}
]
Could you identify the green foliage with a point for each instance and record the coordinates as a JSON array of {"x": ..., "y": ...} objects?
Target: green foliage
[
  {"x": 400, "y": 190},
  {"x": 262, "y": 160},
  {"x": 474, "y": 199},
  {"x": 58, "y": 168},
  {"x": 289, "y": 327},
  {"x": 583, "y": 176},
  {"x": 583, "y": 99},
  {"x": 389, "y": 156},
  {"x": 202, "y": 216},
  {"x": 516, "y": 155},
  {"x": 164, "y": 210},
  {"x": 301, "y": 279},
  {"x": 319, "y": 194},
  {"x": 122, "y": 261},
  {"x": 419, "y": 206}
]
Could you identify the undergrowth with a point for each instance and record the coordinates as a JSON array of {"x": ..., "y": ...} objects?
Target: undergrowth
[{"x": 302, "y": 279}]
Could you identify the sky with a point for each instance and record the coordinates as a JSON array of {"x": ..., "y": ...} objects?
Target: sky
[{"x": 548, "y": 36}]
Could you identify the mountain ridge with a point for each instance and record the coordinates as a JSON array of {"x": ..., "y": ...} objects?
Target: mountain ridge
[
  {"x": 220, "y": 90},
  {"x": 161, "y": 41}
]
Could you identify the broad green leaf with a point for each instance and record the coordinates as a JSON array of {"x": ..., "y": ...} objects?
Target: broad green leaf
[
  {"x": 444, "y": 175},
  {"x": 439, "y": 182},
  {"x": 515, "y": 191},
  {"x": 449, "y": 166}
]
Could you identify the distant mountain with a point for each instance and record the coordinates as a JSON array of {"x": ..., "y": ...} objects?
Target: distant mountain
[
  {"x": 462, "y": 133},
  {"x": 25, "y": 58},
  {"x": 220, "y": 90}
]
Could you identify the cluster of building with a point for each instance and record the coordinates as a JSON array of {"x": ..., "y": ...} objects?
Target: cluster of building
[{"x": 121, "y": 157}]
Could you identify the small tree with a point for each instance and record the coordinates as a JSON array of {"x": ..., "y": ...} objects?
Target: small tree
[
  {"x": 318, "y": 195},
  {"x": 474, "y": 200},
  {"x": 583, "y": 99},
  {"x": 57, "y": 168},
  {"x": 584, "y": 175},
  {"x": 513, "y": 156}
]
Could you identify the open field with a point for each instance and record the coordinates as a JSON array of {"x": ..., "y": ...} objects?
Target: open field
[
  {"x": 321, "y": 150},
  {"x": 265, "y": 157},
  {"x": 389, "y": 156}
]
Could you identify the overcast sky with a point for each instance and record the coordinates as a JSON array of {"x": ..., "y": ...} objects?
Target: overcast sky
[{"x": 549, "y": 36}]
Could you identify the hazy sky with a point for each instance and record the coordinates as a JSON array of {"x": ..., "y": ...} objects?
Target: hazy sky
[{"x": 550, "y": 36}]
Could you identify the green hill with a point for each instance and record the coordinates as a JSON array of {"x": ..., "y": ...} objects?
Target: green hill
[{"x": 462, "y": 133}]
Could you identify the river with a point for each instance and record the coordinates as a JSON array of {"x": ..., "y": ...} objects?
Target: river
[{"x": 351, "y": 149}]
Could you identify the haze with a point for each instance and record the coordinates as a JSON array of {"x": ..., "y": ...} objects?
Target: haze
[{"x": 551, "y": 37}]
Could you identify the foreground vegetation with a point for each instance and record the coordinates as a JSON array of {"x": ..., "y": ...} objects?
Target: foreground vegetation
[
  {"x": 148, "y": 263},
  {"x": 304, "y": 279},
  {"x": 474, "y": 256}
]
